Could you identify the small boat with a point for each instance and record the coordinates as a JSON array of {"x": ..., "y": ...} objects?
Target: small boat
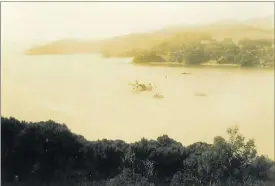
[
  {"x": 157, "y": 95},
  {"x": 141, "y": 87},
  {"x": 200, "y": 94},
  {"x": 149, "y": 87},
  {"x": 185, "y": 73}
]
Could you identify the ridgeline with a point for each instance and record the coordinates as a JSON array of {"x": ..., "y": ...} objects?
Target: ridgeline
[{"x": 247, "y": 43}]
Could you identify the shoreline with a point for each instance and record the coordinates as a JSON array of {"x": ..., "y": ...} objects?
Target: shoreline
[
  {"x": 165, "y": 64},
  {"x": 171, "y": 64}
]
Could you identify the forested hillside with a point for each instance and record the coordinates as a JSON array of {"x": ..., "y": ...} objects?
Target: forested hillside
[
  {"x": 133, "y": 45},
  {"x": 195, "y": 49}
]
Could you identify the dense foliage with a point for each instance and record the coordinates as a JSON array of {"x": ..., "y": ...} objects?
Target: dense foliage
[
  {"x": 192, "y": 49},
  {"x": 48, "y": 152}
]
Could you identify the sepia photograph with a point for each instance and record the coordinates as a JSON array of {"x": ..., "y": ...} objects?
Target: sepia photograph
[{"x": 137, "y": 93}]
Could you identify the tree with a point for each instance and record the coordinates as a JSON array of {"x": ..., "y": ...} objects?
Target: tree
[
  {"x": 148, "y": 56},
  {"x": 255, "y": 52},
  {"x": 49, "y": 152}
]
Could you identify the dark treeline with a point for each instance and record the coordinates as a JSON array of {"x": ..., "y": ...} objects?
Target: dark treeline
[
  {"x": 48, "y": 152},
  {"x": 195, "y": 49}
]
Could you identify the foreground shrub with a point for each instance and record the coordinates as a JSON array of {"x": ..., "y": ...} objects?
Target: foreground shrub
[{"x": 48, "y": 152}]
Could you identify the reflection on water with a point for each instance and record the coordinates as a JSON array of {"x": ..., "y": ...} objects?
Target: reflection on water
[{"x": 92, "y": 96}]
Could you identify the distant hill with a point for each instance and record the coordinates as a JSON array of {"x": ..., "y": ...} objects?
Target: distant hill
[
  {"x": 266, "y": 22},
  {"x": 130, "y": 45},
  {"x": 63, "y": 47},
  {"x": 116, "y": 46}
]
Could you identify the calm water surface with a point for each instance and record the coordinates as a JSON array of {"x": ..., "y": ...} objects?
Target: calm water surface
[{"x": 92, "y": 96}]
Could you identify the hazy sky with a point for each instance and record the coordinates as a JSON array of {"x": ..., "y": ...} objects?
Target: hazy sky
[{"x": 35, "y": 22}]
